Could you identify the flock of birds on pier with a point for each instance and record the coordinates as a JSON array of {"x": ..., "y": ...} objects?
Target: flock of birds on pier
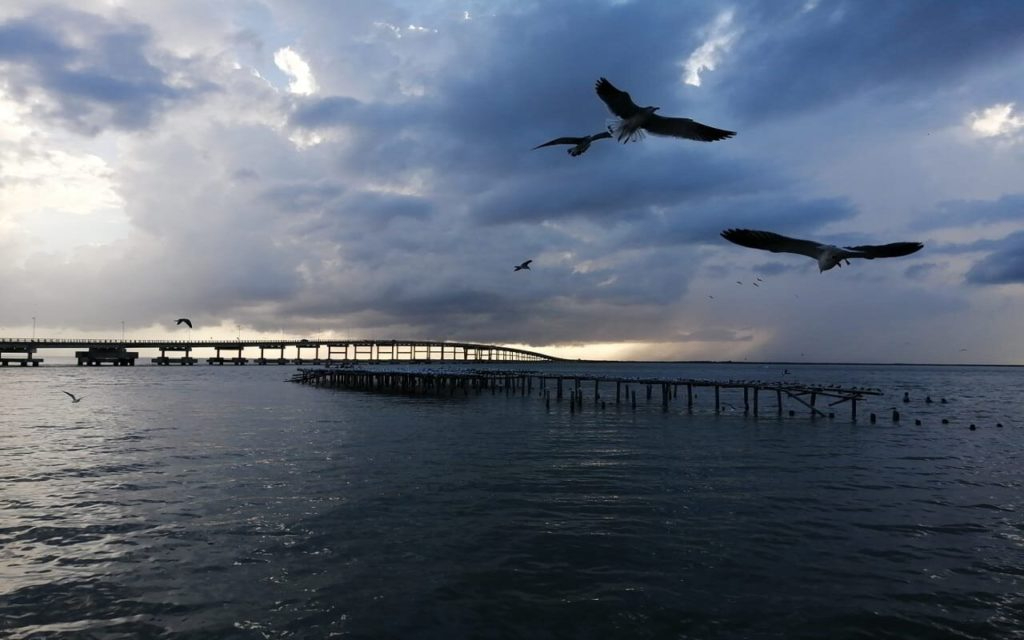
[{"x": 634, "y": 122}]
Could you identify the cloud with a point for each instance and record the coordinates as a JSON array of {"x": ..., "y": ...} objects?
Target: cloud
[
  {"x": 302, "y": 81},
  {"x": 719, "y": 40},
  {"x": 792, "y": 59},
  {"x": 1005, "y": 265},
  {"x": 967, "y": 213},
  {"x": 90, "y": 74},
  {"x": 422, "y": 191},
  {"x": 996, "y": 121}
]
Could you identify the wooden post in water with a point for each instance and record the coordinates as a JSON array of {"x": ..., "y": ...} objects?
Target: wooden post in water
[
  {"x": 746, "y": 401},
  {"x": 689, "y": 397},
  {"x": 618, "y": 390},
  {"x": 558, "y": 394},
  {"x": 778, "y": 402},
  {"x": 718, "y": 406},
  {"x": 814, "y": 413}
]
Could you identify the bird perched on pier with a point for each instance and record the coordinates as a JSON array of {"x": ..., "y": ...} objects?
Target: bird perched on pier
[
  {"x": 581, "y": 144},
  {"x": 635, "y": 120},
  {"x": 74, "y": 400},
  {"x": 525, "y": 265},
  {"x": 827, "y": 255},
  {"x": 185, "y": 321}
]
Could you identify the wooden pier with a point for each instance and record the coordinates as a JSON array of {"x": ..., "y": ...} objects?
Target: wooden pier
[{"x": 817, "y": 400}]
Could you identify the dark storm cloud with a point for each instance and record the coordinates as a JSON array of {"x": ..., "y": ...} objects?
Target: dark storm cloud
[
  {"x": 790, "y": 60},
  {"x": 713, "y": 335},
  {"x": 302, "y": 196},
  {"x": 621, "y": 183},
  {"x": 95, "y": 74},
  {"x": 317, "y": 113},
  {"x": 703, "y": 222},
  {"x": 965, "y": 213},
  {"x": 1005, "y": 265}
]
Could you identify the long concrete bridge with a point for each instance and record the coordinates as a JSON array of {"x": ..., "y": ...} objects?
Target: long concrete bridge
[{"x": 24, "y": 351}]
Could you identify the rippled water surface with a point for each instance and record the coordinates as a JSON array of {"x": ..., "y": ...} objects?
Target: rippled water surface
[{"x": 210, "y": 502}]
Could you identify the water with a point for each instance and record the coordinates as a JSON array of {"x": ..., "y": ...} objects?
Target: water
[{"x": 209, "y": 502}]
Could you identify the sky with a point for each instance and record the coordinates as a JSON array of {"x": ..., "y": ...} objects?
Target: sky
[{"x": 364, "y": 169}]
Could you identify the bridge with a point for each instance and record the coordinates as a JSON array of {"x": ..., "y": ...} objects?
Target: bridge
[{"x": 306, "y": 351}]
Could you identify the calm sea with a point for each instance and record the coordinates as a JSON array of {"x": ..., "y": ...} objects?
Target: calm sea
[{"x": 225, "y": 502}]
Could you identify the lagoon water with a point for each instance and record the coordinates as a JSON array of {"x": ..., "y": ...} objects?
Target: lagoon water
[{"x": 224, "y": 502}]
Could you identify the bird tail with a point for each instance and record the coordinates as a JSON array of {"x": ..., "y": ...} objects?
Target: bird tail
[{"x": 618, "y": 128}]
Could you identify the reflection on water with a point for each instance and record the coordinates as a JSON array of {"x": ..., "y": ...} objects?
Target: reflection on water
[{"x": 224, "y": 502}]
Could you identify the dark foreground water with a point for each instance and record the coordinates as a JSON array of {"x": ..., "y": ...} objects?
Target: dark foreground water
[{"x": 210, "y": 502}]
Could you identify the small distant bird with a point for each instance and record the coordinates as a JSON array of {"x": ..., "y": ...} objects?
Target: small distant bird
[
  {"x": 635, "y": 120},
  {"x": 756, "y": 285},
  {"x": 738, "y": 282},
  {"x": 827, "y": 255},
  {"x": 581, "y": 144},
  {"x": 74, "y": 400},
  {"x": 525, "y": 265},
  {"x": 185, "y": 320}
]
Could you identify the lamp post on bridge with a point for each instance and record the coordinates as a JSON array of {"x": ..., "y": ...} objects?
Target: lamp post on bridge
[
  {"x": 33, "y": 327},
  {"x": 122, "y": 331}
]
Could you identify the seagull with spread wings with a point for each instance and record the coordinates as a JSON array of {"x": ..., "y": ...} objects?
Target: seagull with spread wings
[
  {"x": 827, "y": 255},
  {"x": 184, "y": 320},
  {"x": 581, "y": 144},
  {"x": 74, "y": 399},
  {"x": 525, "y": 265},
  {"x": 635, "y": 120}
]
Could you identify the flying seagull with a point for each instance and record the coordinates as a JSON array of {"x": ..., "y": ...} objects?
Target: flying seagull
[
  {"x": 636, "y": 119},
  {"x": 581, "y": 144},
  {"x": 525, "y": 265},
  {"x": 185, "y": 320},
  {"x": 827, "y": 255},
  {"x": 74, "y": 400}
]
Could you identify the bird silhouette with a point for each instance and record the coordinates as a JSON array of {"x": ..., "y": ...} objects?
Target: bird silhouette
[
  {"x": 525, "y": 265},
  {"x": 74, "y": 400},
  {"x": 580, "y": 144},
  {"x": 184, "y": 320},
  {"x": 826, "y": 255},
  {"x": 635, "y": 119}
]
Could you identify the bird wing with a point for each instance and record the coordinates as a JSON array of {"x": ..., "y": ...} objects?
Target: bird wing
[
  {"x": 774, "y": 242},
  {"x": 601, "y": 136},
  {"x": 565, "y": 140},
  {"x": 891, "y": 250},
  {"x": 186, "y": 321},
  {"x": 70, "y": 395},
  {"x": 685, "y": 128},
  {"x": 618, "y": 101},
  {"x": 527, "y": 263}
]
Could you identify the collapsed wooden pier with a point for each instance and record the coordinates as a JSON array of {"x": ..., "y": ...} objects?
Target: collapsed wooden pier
[{"x": 576, "y": 389}]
